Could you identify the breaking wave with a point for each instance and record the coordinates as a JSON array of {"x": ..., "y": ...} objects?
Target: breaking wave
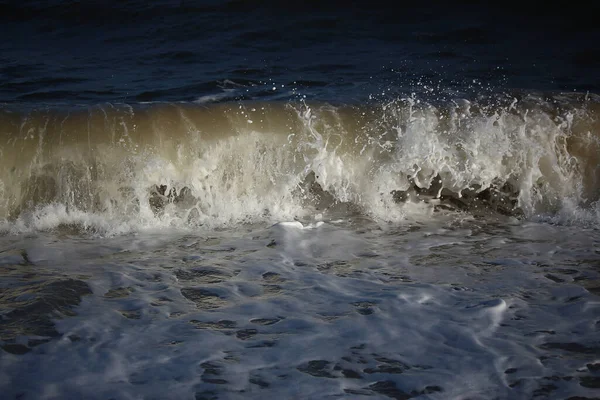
[{"x": 118, "y": 167}]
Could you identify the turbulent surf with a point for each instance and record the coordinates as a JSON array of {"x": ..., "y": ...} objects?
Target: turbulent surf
[
  {"x": 182, "y": 163},
  {"x": 227, "y": 200}
]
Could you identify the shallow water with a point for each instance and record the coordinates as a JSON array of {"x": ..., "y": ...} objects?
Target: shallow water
[{"x": 454, "y": 308}]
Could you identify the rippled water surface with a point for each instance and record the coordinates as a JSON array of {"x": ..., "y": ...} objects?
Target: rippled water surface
[{"x": 315, "y": 310}]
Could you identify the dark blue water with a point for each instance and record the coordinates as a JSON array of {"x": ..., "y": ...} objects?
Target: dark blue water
[{"x": 86, "y": 52}]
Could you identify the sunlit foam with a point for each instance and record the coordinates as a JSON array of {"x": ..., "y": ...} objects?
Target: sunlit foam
[{"x": 186, "y": 165}]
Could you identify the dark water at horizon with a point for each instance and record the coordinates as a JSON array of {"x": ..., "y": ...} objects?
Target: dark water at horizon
[{"x": 94, "y": 52}]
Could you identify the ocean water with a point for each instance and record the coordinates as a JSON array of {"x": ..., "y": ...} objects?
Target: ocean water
[{"x": 240, "y": 200}]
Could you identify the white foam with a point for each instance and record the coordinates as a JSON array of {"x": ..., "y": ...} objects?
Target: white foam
[
  {"x": 290, "y": 224},
  {"x": 378, "y": 302},
  {"x": 255, "y": 172}
]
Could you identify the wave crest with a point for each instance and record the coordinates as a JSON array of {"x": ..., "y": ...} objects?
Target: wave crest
[{"x": 229, "y": 163}]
